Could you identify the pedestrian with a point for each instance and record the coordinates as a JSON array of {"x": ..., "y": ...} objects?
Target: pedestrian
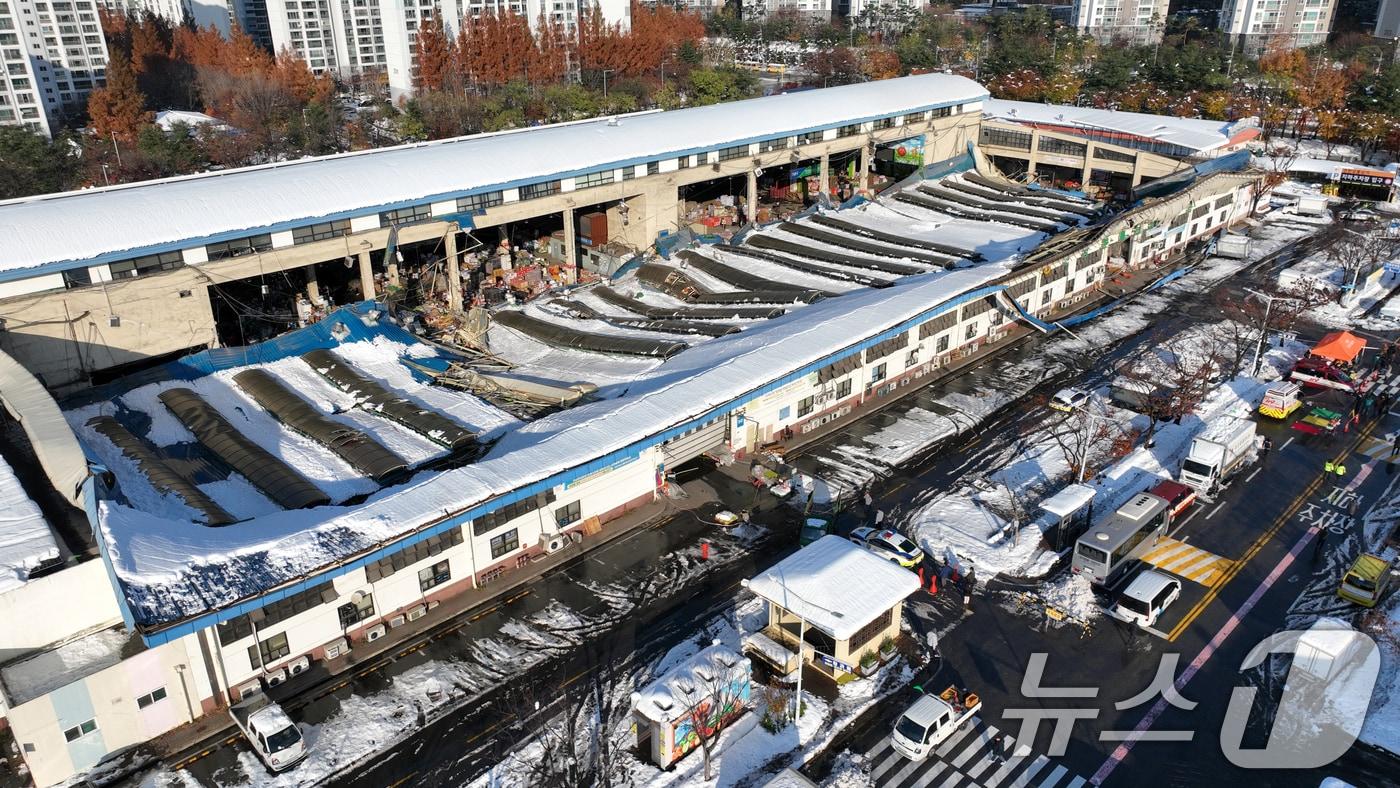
[
  {"x": 1368, "y": 405},
  {"x": 1264, "y": 448},
  {"x": 1319, "y": 544},
  {"x": 1395, "y": 445},
  {"x": 879, "y": 517}
]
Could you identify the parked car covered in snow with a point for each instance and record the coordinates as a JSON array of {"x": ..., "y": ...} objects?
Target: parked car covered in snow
[{"x": 890, "y": 545}]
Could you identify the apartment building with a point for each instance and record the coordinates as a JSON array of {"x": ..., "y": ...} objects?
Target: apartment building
[
  {"x": 222, "y": 15},
  {"x": 1134, "y": 21},
  {"x": 1255, "y": 25},
  {"x": 357, "y": 38},
  {"x": 53, "y": 55}
]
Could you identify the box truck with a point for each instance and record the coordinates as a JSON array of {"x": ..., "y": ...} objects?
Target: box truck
[{"x": 1223, "y": 448}]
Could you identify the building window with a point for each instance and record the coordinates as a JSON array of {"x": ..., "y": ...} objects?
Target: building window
[
  {"x": 843, "y": 389},
  {"x": 848, "y": 131},
  {"x": 805, "y": 406},
  {"x": 536, "y": 190},
  {"x": 478, "y": 203},
  {"x": 505, "y": 543},
  {"x": 877, "y": 374},
  {"x": 271, "y": 650},
  {"x": 915, "y": 117},
  {"x": 566, "y": 516},
  {"x": 272, "y": 613},
  {"x": 768, "y": 146},
  {"x": 321, "y": 231},
  {"x": 594, "y": 179},
  {"x": 77, "y": 277},
  {"x": 1005, "y": 138},
  {"x": 682, "y": 162},
  {"x": 352, "y": 612},
  {"x": 653, "y": 167},
  {"x": 942, "y": 344},
  {"x": 1112, "y": 155},
  {"x": 155, "y": 696},
  {"x": 735, "y": 152},
  {"x": 238, "y": 247},
  {"x": 941, "y": 112},
  {"x": 911, "y": 358},
  {"x": 868, "y": 632},
  {"x": 628, "y": 173},
  {"x": 810, "y": 137},
  {"x": 412, "y": 554},
  {"x": 490, "y": 522},
  {"x": 884, "y": 123},
  {"x": 410, "y": 215},
  {"x": 434, "y": 575},
  {"x": 971, "y": 330},
  {"x": 1062, "y": 147},
  {"x": 79, "y": 731},
  {"x": 151, "y": 263}
]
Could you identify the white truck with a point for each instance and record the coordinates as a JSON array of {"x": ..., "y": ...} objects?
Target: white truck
[
  {"x": 1324, "y": 650},
  {"x": 1218, "y": 452},
  {"x": 274, "y": 737},
  {"x": 932, "y": 719}
]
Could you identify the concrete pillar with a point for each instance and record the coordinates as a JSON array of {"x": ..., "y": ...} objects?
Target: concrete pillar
[
  {"x": 454, "y": 274},
  {"x": 391, "y": 270},
  {"x": 751, "y": 209},
  {"x": 366, "y": 276},
  {"x": 927, "y": 148},
  {"x": 825, "y": 174},
  {"x": 570, "y": 240},
  {"x": 313, "y": 286},
  {"x": 1087, "y": 171},
  {"x": 864, "y": 165},
  {"x": 1137, "y": 170}
]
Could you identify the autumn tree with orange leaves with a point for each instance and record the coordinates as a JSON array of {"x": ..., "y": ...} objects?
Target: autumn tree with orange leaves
[{"x": 118, "y": 109}]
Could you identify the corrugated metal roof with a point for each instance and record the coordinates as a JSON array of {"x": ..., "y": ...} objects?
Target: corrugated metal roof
[
  {"x": 1194, "y": 133},
  {"x": 126, "y": 220}
]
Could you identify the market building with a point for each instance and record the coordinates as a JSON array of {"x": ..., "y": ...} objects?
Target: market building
[{"x": 310, "y": 554}]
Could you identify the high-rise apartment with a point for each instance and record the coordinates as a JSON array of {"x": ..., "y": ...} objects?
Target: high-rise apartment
[
  {"x": 52, "y": 55},
  {"x": 1134, "y": 21},
  {"x": 1255, "y": 25},
  {"x": 222, "y": 15},
  {"x": 357, "y": 38}
]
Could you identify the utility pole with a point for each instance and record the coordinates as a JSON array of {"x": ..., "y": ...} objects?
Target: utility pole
[{"x": 1268, "y": 300}]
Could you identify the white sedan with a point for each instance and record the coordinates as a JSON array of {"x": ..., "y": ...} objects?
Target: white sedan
[
  {"x": 890, "y": 545},
  {"x": 1069, "y": 400}
]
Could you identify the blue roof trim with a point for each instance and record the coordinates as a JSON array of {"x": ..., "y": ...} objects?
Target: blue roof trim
[
  {"x": 631, "y": 451},
  {"x": 127, "y": 254}
]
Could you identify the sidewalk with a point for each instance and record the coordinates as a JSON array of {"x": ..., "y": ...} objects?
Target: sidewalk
[{"x": 192, "y": 741}]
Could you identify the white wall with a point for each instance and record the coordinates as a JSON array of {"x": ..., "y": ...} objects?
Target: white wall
[{"x": 55, "y": 608}]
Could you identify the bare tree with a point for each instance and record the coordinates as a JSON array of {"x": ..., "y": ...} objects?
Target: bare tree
[
  {"x": 1177, "y": 377},
  {"x": 716, "y": 693},
  {"x": 1082, "y": 436},
  {"x": 1276, "y": 161},
  {"x": 1357, "y": 251},
  {"x": 1252, "y": 313}
]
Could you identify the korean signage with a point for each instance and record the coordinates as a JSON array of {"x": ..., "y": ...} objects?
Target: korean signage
[
  {"x": 833, "y": 662},
  {"x": 1366, "y": 177}
]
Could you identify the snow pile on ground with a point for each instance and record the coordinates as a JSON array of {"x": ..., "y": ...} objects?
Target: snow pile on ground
[
  {"x": 25, "y": 538},
  {"x": 1074, "y": 595}
]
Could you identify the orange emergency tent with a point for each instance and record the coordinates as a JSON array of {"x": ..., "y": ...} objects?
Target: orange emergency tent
[{"x": 1342, "y": 346}]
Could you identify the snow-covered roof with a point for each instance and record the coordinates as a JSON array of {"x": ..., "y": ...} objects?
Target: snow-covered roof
[
  {"x": 167, "y": 118},
  {"x": 1193, "y": 133},
  {"x": 171, "y": 570},
  {"x": 1327, "y": 167},
  {"x": 836, "y": 586},
  {"x": 704, "y": 675},
  {"x": 25, "y": 538},
  {"x": 791, "y": 778},
  {"x": 103, "y": 224},
  {"x": 1069, "y": 500},
  {"x": 42, "y": 673}
]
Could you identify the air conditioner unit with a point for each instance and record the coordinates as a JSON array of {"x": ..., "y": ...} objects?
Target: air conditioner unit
[
  {"x": 396, "y": 621},
  {"x": 553, "y": 543},
  {"x": 434, "y": 603},
  {"x": 275, "y": 677},
  {"x": 416, "y": 612},
  {"x": 336, "y": 648},
  {"x": 299, "y": 665},
  {"x": 248, "y": 690},
  {"x": 374, "y": 633}
]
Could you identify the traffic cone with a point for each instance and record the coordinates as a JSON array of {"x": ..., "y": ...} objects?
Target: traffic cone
[{"x": 933, "y": 585}]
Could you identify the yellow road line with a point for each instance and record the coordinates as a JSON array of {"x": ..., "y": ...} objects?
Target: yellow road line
[
  {"x": 1264, "y": 538},
  {"x": 403, "y": 780}
]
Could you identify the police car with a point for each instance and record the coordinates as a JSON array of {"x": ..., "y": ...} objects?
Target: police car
[{"x": 890, "y": 545}]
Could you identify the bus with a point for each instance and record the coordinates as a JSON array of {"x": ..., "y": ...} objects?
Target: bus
[{"x": 1107, "y": 550}]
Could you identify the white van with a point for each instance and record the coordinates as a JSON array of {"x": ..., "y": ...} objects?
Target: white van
[{"x": 1145, "y": 599}]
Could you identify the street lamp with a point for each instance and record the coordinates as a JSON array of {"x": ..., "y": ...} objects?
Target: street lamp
[
  {"x": 606, "y": 72},
  {"x": 801, "y": 637},
  {"x": 1268, "y": 300}
]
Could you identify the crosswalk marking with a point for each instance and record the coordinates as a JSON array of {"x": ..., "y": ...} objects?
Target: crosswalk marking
[
  {"x": 977, "y": 755},
  {"x": 1188, "y": 561},
  {"x": 1377, "y": 448}
]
